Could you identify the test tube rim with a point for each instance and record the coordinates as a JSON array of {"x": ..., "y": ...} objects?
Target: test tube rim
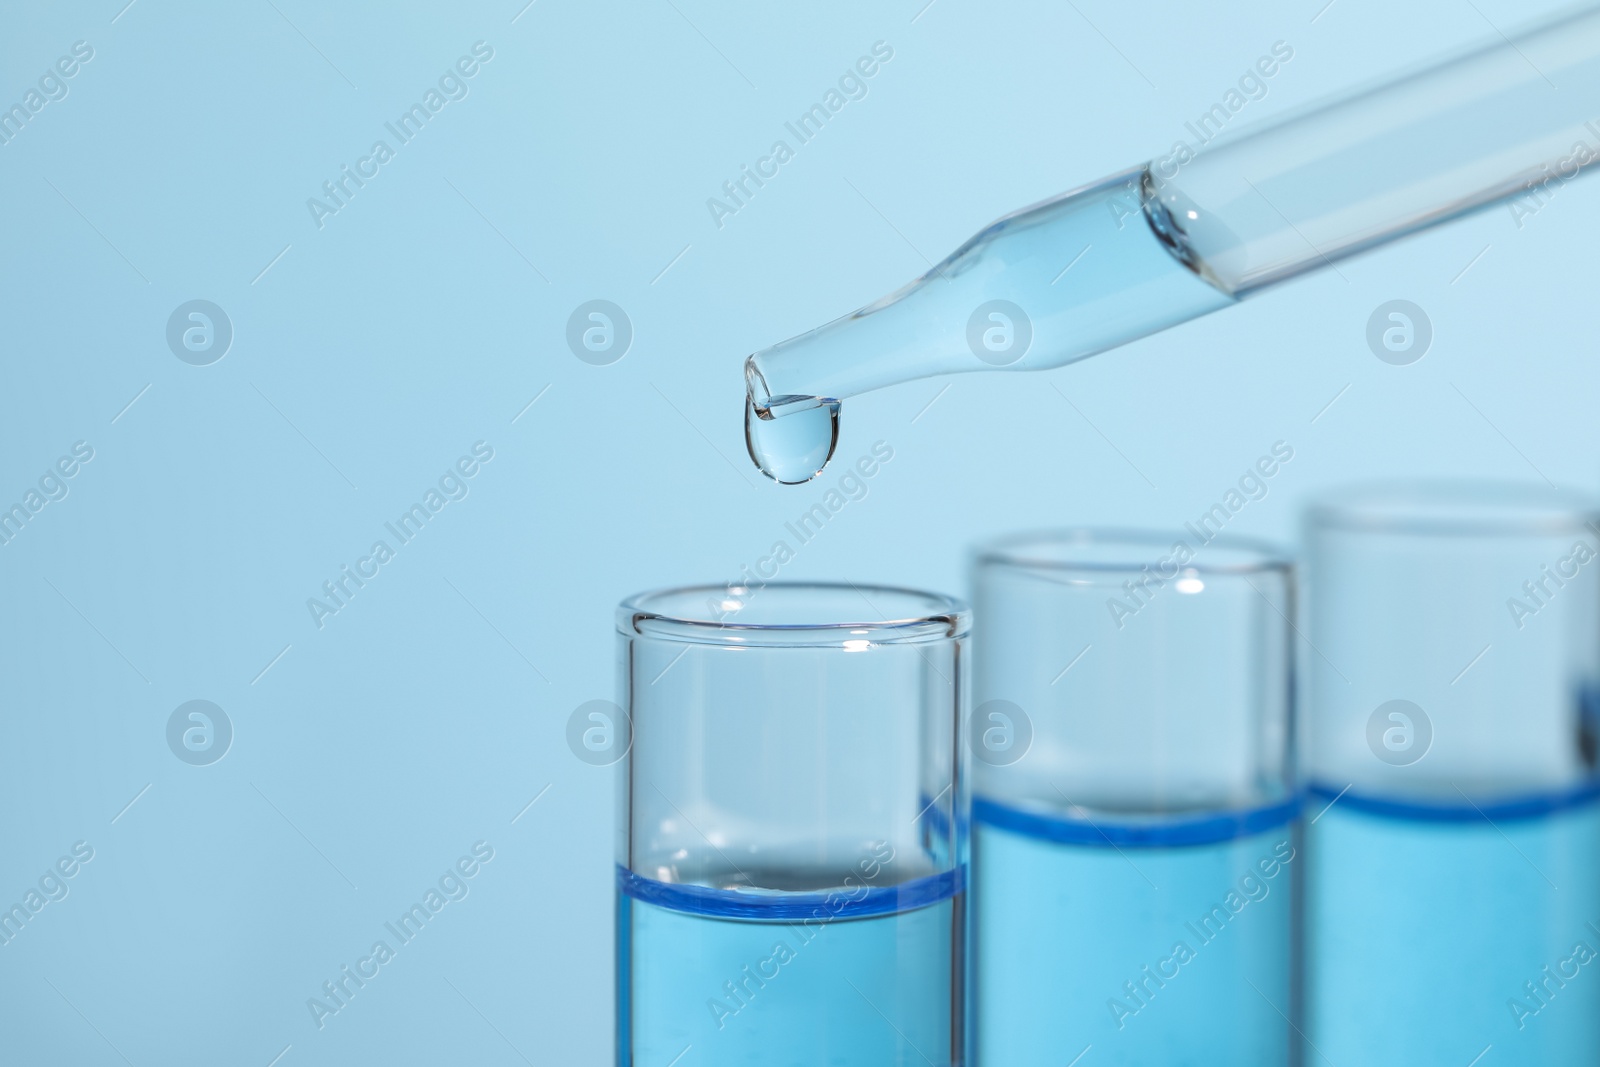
[
  {"x": 1484, "y": 508},
  {"x": 946, "y": 617},
  {"x": 1259, "y": 556}
]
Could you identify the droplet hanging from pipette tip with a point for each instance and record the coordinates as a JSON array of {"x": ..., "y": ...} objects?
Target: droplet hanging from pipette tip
[{"x": 794, "y": 448}]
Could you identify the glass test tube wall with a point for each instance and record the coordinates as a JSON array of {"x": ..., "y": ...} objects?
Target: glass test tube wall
[
  {"x": 1454, "y": 851},
  {"x": 1134, "y": 847},
  {"x": 792, "y": 854}
]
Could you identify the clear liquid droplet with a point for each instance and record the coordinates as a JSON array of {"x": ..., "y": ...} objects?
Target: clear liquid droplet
[{"x": 793, "y": 448}]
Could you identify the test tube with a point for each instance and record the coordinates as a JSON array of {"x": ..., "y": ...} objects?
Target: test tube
[
  {"x": 1134, "y": 846},
  {"x": 1453, "y": 871},
  {"x": 792, "y": 857}
]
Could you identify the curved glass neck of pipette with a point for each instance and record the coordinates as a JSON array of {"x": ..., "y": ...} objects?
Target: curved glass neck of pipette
[
  {"x": 1040, "y": 288},
  {"x": 1514, "y": 120}
]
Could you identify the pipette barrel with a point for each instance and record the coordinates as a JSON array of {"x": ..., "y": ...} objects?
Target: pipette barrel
[{"x": 1078, "y": 274}]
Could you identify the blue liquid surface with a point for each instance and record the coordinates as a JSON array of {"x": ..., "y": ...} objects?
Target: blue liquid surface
[
  {"x": 1424, "y": 924},
  {"x": 865, "y": 979},
  {"x": 1067, "y": 913}
]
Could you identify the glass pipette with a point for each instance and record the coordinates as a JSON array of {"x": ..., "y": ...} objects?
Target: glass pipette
[{"x": 1176, "y": 238}]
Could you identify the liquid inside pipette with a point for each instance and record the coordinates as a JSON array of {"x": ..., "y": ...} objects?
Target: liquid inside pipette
[{"x": 1065, "y": 279}]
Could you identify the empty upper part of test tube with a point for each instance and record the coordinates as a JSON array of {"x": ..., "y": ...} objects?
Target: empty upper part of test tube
[{"x": 1180, "y": 236}]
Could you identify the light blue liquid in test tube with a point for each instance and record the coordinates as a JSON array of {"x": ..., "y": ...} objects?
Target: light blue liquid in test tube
[
  {"x": 792, "y": 855},
  {"x": 1453, "y": 901},
  {"x": 1135, "y": 854}
]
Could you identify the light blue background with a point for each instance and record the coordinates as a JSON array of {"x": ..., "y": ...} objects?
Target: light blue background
[{"x": 427, "y": 714}]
